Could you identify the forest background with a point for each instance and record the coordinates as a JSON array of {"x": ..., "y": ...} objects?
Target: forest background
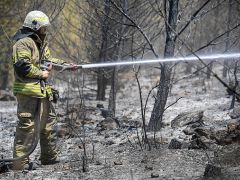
[{"x": 98, "y": 31}]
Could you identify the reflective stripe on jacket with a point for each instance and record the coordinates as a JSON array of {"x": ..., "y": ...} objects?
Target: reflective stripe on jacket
[
  {"x": 29, "y": 89},
  {"x": 26, "y": 62}
]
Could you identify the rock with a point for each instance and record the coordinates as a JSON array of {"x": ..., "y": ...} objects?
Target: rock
[
  {"x": 133, "y": 124},
  {"x": 212, "y": 171},
  {"x": 105, "y": 113},
  {"x": 231, "y": 137},
  {"x": 144, "y": 159},
  {"x": 185, "y": 145},
  {"x": 118, "y": 163},
  {"x": 108, "y": 124},
  {"x": 3, "y": 168},
  {"x": 98, "y": 163},
  {"x": 233, "y": 126},
  {"x": 204, "y": 131},
  {"x": 148, "y": 168},
  {"x": 119, "y": 151},
  {"x": 235, "y": 113},
  {"x": 189, "y": 131},
  {"x": 110, "y": 142},
  {"x": 197, "y": 143},
  {"x": 221, "y": 137},
  {"x": 62, "y": 131},
  {"x": 106, "y": 136},
  {"x": 175, "y": 144},
  {"x": 100, "y": 106},
  {"x": 154, "y": 175},
  {"x": 185, "y": 119}
]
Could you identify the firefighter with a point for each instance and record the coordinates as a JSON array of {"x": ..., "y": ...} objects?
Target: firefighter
[{"x": 34, "y": 95}]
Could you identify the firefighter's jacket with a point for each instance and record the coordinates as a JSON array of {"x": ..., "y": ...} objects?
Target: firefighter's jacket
[{"x": 27, "y": 52}]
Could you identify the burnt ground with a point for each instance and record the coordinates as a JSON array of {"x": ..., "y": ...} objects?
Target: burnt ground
[{"x": 115, "y": 152}]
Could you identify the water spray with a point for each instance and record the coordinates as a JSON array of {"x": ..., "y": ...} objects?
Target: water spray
[
  {"x": 162, "y": 60},
  {"x": 212, "y": 57}
]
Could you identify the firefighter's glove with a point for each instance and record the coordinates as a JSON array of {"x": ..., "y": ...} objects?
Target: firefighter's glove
[{"x": 45, "y": 74}]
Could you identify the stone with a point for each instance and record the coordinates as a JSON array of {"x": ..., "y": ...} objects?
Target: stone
[
  {"x": 233, "y": 126},
  {"x": 189, "y": 131},
  {"x": 62, "y": 131},
  {"x": 3, "y": 167},
  {"x": 220, "y": 136},
  {"x": 98, "y": 162},
  {"x": 100, "y": 106},
  {"x": 105, "y": 113},
  {"x": 235, "y": 113},
  {"x": 196, "y": 143},
  {"x": 175, "y": 144},
  {"x": 110, "y": 142},
  {"x": 187, "y": 118},
  {"x": 204, "y": 131},
  {"x": 148, "y": 168},
  {"x": 108, "y": 124},
  {"x": 118, "y": 163},
  {"x": 212, "y": 171},
  {"x": 154, "y": 175}
]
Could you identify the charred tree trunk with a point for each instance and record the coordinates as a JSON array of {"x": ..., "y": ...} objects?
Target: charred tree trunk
[
  {"x": 192, "y": 43},
  {"x": 163, "y": 89},
  {"x": 101, "y": 85},
  {"x": 230, "y": 19},
  {"x": 235, "y": 86},
  {"x": 4, "y": 83},
  {"x": 101, "y": 76},
  {"x": 216, "y": 16},
  {"x": 114, "y": 77},
  {"x": 113, "y": 92}
]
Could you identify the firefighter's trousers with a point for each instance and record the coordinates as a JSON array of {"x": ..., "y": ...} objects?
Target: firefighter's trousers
[{"x": 30, "y": 110}]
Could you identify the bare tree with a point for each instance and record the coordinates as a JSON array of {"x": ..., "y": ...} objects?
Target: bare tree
[
  {"x": 229, "y": 23},
  {"x": 216, "y": 23},
  {"x": 164, "y": 85}
]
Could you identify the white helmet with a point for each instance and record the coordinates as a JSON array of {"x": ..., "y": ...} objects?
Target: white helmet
[{"x": 35, "y": 20}]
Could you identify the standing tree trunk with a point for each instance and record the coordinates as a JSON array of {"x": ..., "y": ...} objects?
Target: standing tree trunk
[
  {"x": 101, "y": 74},
  {"x": 216, "y": 16},
  {"x": 113, "y": 92},
  {"x": 163, "y": 89},
  {"x": 5, "y": 76},
  {"x": 114, "y": 77},
  {"x": 230, "y": 19}
]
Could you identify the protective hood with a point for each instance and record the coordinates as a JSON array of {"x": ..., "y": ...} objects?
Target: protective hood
[{"x": 22, "y": 33}]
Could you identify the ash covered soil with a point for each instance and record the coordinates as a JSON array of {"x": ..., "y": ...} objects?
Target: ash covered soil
[{"x": 114, "y": 147}]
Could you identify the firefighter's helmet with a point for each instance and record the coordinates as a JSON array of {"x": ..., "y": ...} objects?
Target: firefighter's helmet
[{"x": 35, "y": 20}]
